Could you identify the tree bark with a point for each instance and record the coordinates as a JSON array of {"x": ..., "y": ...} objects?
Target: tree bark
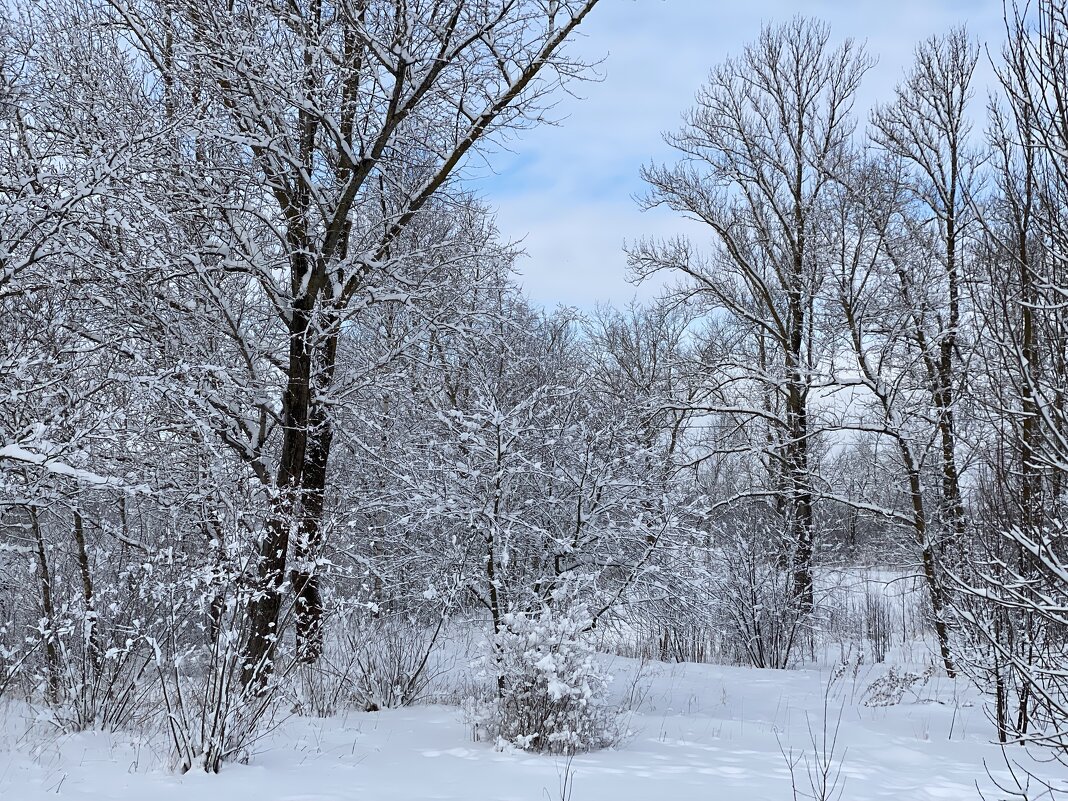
[
  {"x": 305, "y": 578},
  {"x": 265, "y": 606},
  {"x": 48, "y": 609},
  {"x": 92, "y": 634}
]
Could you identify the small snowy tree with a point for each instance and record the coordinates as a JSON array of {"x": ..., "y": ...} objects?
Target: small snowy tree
[{"x": 551, "y": 687}]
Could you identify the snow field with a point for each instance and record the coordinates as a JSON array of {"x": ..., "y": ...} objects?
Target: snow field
[{"x": 700, "y": 732}]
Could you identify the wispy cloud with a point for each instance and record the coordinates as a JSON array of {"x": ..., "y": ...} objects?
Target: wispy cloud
[{"x": 566, "y": 190}]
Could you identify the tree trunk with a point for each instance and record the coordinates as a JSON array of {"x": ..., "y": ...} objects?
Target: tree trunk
[
  {"x": 309, "y": 610},
  {"x": 306, "y": 580},
  {"x": 48, "y": 610},
  {"x": 264, "y": 608},
  {"x": 927, "y": 555},
  {"x": 92, "y": 635},
  {"x": 801, "y": 520}
]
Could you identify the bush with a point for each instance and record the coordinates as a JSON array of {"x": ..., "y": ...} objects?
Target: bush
[
  {"x": 889, "y": 690},
  {"x": 210, "y": 718},
  {"x": 550, "y": 687},
  {"x": 372, "y": 663},
  {"x": 755, "y": 599}
]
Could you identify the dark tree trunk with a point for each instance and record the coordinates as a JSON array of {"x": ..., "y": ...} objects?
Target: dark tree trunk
[
  {"x": 88, "y": 597},
  {"x": 264, "y": 609},
  {"x": 305, "y": 578},
  {"x": 801, "y": 516},
  {"x": 48, "y": 609}
]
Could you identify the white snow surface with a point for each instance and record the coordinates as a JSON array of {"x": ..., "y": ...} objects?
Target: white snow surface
[{"x": 702, "y": 732}]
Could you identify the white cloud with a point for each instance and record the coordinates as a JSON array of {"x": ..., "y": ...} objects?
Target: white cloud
[
  {"x": 574, "y": 254},
  {"x": 566, "y": 190}
]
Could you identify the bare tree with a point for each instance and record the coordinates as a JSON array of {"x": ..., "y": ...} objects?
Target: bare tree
[
  {"x": 770, "y": 129},
  {"x": 877, "y": 380},
  {"x": 926, "y": 130},
  {"x": 1013, "y": 589},
  {"x": 898, "y": 253}
]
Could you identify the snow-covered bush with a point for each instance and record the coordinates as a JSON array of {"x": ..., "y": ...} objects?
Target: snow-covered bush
[
  {"x": 889, "y": 690},
  {"x": 212, "y": 713},
  {"x": 754, "y": 598},
  {"x": 210, "y": 718},
  {"x": 371, "y": 663},
  {"x": 551, "y": 688},
  {"x": 102, "y": 683}
]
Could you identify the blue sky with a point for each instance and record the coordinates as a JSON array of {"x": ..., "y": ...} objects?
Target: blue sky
[{"x": 567, "y": 190}]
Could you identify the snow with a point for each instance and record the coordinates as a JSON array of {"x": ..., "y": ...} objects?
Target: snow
[
  {"x": 700, "y": 732},
  {"x": 20, "y": 454}
]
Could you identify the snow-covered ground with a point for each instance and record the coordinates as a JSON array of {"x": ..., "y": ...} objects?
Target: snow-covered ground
[{"x": 701, "y": 732}]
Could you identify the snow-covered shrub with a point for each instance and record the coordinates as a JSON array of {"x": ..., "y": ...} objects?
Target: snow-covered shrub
[
  {"x": 213, "y": 705},
  {"x": 551, "y": 687},
  {"x": 210, "y": 718},
  {"x": 878, "y": 623},
  {"x": 889, "y": 690},
  {"x": 102, "y": 681},
  {"x": 754, "y": 598},
  {"x": 371, "y": 663}
]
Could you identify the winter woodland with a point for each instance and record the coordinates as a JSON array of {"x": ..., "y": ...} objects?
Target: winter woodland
[{"x": 289, "y": 463}]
